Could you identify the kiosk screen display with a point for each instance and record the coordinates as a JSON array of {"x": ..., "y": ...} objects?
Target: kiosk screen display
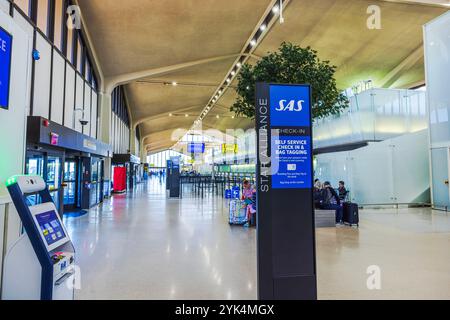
[{"x": 50, "y": 227}]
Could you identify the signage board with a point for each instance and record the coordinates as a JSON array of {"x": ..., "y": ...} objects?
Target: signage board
[
  {"x": 196, "y": 147},
  {"x": 54, "y": 139},
  {"x": 230, "y": 148},
  {"x": 5, "y": 69},
  {"x": 286, "y": 226}
]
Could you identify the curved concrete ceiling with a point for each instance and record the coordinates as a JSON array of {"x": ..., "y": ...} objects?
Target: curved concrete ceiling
[{"x": 174, "y": 37}]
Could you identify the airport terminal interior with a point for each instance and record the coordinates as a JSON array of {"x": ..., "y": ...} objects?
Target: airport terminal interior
[{"x": 224, "y": 150}]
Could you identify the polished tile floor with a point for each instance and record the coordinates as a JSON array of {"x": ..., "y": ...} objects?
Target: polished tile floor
[{"x": 143, "y": 246}]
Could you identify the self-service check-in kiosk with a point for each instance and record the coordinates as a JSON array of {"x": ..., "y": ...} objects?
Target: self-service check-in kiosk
[{"x": 41, "y": 264}]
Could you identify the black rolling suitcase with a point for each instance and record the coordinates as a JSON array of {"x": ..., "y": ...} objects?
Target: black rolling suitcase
[{"x": 351, "y": 214}]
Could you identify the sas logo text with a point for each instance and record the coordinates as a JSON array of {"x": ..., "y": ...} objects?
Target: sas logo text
[{"x": 290, "y": 106}]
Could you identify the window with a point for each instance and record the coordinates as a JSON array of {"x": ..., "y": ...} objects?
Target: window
[
  {"x": 42, "y": 16},
  {"x": 69, "y": 52},
  {"x": 87, "y": 72},
  {"x": 59, "y": 23},
  {"x": 24, "y": 5},
  {"x": 80, "y": 55},
  {"x": 94, "y": 82}
]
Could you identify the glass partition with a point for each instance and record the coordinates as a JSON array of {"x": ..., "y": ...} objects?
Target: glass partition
[{"x": 374, "y": 115}]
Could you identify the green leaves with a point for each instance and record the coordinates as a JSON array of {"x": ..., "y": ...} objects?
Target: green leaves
[{"x": 291, "y": 65}]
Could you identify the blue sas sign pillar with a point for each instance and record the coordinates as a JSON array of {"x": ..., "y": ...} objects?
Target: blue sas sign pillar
[{"x": 286, "y": 226}]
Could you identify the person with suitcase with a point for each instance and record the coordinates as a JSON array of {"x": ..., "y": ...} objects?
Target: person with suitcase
[
  {"x": 331, "y": 201},
  {"x": 247, "y": 197}
]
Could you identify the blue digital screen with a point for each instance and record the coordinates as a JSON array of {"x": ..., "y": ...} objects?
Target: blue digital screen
[
  {"x": 196, "y": 148},
  {"x": 5, "y": 67},
  {"x": 291, "y": 162},
  {"x": 290, "y": 106},
  {"x": 50, "y": 227}
]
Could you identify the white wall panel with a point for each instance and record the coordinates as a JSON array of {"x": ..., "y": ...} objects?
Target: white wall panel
[
  {"x": 4, "y": 5},
  {"x": 120, "y": 136},
  {"x": 79, "y": 103},
  {"x": 437, "y": 62},
  {"x": 70, "y": 97},
  {"x": 25, "y": 26},
  {"x": 87, "y": 109},
  {"x": 58, "y": 88},
  {"x": 94, "y": 117},
  {"x": 116, "y": 133},
  {"x": 13, "y": 121},
  {"x": 41, "y": 104}
]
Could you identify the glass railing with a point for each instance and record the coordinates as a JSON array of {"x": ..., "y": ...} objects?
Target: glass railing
[{"x": 374, "y": 115}]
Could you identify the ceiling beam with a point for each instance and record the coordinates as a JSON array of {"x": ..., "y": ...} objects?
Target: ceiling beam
[
  {"x": 166, "y": 114},
  {"x": 113, "y": 81},
  {"x": 403, "y": 66},
  {"x": 429, "y": 3}
]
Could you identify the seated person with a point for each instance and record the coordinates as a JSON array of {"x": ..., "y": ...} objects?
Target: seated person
[
  {"x": 248, "y": 195},
  {"x": 342, "y": 191},
  {"x": 331, "y": 201}
]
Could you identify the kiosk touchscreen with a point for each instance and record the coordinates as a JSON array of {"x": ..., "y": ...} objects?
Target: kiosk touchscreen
[
  {"x": 51, "y": 229},
  {"x": 41, "y": 264}
]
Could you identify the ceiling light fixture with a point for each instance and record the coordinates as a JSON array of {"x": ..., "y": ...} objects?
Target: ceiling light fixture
[
  {"x": 186, "y": 115},
  {"x": 228, "y": 80},
  {"x": 276, "y": 9},
  {"x": 263, "y": 27},
  {"x": 253, "y": 43},
  {"x": 174, "y": 83},
  {"x": 233, "y": 73},
  {"x": 239, "y": 65}
]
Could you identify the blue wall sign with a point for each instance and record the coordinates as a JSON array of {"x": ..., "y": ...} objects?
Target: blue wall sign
[
  {"x": 291, "y": 162},
  {"x": 290, "y": 112},
  {"x": 5, "y": 67},
  {"x": 196, "y": 148},
  {"x": 290, "y": 106}
]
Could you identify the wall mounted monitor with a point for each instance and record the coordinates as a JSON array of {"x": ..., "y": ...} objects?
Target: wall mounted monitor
[{"x": 5, "y": 67}]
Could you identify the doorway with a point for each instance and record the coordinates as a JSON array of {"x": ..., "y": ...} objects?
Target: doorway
[
  {"x": 71, "y": 185},
  {"x": 47, "y": 165}
]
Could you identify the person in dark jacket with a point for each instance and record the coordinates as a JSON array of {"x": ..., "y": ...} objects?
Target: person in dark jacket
[
  {"x": 342, "y": 191},
  {"x": 331, "y": 201}
]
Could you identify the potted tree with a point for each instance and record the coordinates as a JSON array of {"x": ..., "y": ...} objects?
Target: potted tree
[{"x": 292, "y": 64}]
